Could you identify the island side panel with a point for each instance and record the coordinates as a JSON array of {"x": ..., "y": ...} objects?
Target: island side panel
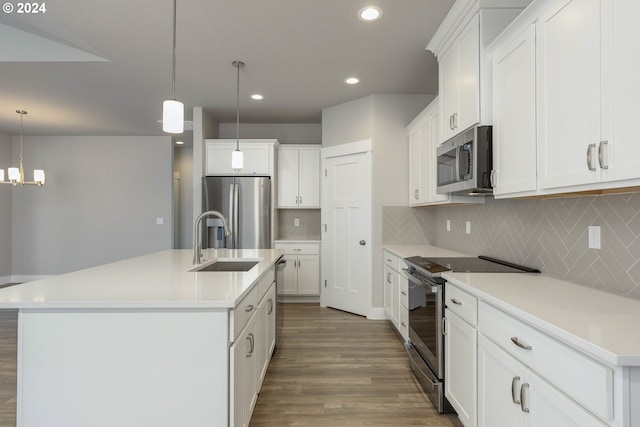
[{"x": 146, "y": 367}]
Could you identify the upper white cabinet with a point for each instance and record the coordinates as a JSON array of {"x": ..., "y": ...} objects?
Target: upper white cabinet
[
  {"x": 464, "y": 77},
  {"x": 259, "y": 156},
  {"x": 298, "y": 176},
  {"x": 423, "y": 134},
  {"x": 582, "y": 57},
  {"x": 514, "y": 116}
]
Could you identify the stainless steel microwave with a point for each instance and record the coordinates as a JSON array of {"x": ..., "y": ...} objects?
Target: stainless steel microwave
[{"x": 465, "y": 163}]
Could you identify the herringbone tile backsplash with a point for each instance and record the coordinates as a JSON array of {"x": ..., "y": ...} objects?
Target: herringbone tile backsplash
[{"x": 549, "y": 234}]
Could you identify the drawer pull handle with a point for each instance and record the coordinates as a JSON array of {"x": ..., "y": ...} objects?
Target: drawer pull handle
[
  {"x": 514, "y": 387},
  {"x": 525, "y": 385},
  {"x": 403, "y": 293},
  {"x": 249, "y": 308},
  {"x": 455, "y": 301},
  {"x": 403, "y": 324},
  {"x": 388, "y": 259},
  {"x": 520, "y": 344}
]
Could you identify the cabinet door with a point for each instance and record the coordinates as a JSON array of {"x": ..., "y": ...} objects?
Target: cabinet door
[
  {"x": 291, "y": 275},
  {"x": 468, "y": 76},
  {"x": 569, "y": 94},
  {"x": 415, "y": 164},
  {"x": 431, "y": 159},
  {"x": 500, "y": 377},
  {"x": 514, "y": 130},
  {"x": 218, "y": 159},
  {"x": 448, "y": 77},
  {"x": 287, "y": 178},
  {"x": 623, "y": 150},
  {"x": 261, "y": 345},
  {"x": 309, "y": 178},
  {"x": 460, "y": 368},
  {"x": 252, "y": 373},
  {"x": 392, "y": 295},
  {"x": 308, "y": 275},
  {"x": 237, "y": 401},
  {"x": 271, "y": 322}
]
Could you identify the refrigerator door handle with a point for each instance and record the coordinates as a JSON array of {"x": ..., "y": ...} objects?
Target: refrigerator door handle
[{"x": 236, "y": 213}]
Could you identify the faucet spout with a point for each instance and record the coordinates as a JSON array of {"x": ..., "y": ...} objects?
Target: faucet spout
[{"x": 197, "y": 244}]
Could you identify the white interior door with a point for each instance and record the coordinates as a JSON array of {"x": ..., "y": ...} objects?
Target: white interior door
[{"x": 347, "y": 242}]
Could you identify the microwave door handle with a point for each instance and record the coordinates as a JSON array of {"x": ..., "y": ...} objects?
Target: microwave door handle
[{"x": 458, "y": 157}]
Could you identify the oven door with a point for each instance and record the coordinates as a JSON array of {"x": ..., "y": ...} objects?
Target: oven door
[{"x": 425, "y": 321}]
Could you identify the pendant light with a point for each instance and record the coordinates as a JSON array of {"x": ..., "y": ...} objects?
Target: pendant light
[
  {"x": 172, "y": 109},
  {"x": 237, "y": 158},
  {"x": 16, "y": 175}
]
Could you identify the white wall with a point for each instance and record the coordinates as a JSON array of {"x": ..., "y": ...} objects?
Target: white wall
[
  {"x": 183, "y": 163},
  {"x": 5, "y": 211},
  {"x": 348, "y": 122},
  {"x": 285, "y": 133},
  {"x": 204, "y": 127},
  {"x": 100, "y": 202}
]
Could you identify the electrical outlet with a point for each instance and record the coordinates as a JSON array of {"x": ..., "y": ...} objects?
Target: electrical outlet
[
  {"x": 448, "y": 225},
  {"x": 296, "y": 222},
  {"x": 594, "y": 237},
  {"x": 468, "y": 227},
  {"x": 159, "y": 221}
]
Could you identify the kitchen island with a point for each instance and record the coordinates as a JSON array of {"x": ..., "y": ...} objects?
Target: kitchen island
[{"x": 143, "y": 342}]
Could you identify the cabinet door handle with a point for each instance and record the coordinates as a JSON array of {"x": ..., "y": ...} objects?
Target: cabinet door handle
[
  {"x": 251, "y": 345},
  {"x": 514, "y": 393},
  {"x": 297, "y": 250},
  {"x": 249, "y": 308},
  {"x": 602, "y": 155},
  {"x": 590, "y": 149},
  {"x": 520, "y": 344},
  {"x": 456, "y": 302},
  {"x": 522, "y": 407},
  {"x": 403, "y": 324},
  {"x": 451, "y": 122},
  {"x": 270, "y": 305},
  {"x": 300, "y": 201},
  {"x": 455, "y": 120},
  {"x": 403, "y": 293},
  {"x": 415, "y": 194},
  {"x": 444, "y": 326},
  {"x": 388, "y": 277},
  {"x": 492, "y": 178}
]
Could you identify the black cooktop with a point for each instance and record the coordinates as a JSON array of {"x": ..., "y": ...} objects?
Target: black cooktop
[{"x": 481, "y": 264}]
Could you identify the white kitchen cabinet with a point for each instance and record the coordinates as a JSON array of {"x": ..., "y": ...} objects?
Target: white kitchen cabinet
[
  {"x": 511, "y": 395},
  {"x": 302, "y": 272},
  {"x": 464, "y": 72},
  {"x": 392, "y": 295},
  {"x": 266, "y": 338},
  {"x": 514, "y": 116},
  {"x": 423, "y": 134},
  {"x": 569, "y": 93},
  {"x": 298, "y": 176},
  {"x": 259, "y": 156},
  {"x": 243, "y": 390},
  {"x": 459, "y": 80},
  {"x": 460, "y": 343}
]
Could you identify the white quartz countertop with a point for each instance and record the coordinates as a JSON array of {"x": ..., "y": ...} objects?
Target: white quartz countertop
[
  {"x": 160, "y": 280},
  {"x": 405, "y": 251},
  {"x": 592, "y": 321}
]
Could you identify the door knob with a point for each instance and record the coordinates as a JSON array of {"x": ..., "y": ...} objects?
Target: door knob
[{"x": 362, "y": 243}]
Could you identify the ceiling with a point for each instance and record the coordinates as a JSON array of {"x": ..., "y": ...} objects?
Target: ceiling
[{"x": 104, "y": 67}]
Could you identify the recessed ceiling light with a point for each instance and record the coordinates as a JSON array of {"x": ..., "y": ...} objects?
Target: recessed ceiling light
[
  {"x": 352, "y": 80},
  {"x": 370, "y": 13},
  {"x": 257, "y": 96},
  {"x": 179, "y": 142}
]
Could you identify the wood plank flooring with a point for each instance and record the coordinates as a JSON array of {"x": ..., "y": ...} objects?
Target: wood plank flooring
[
  {"x": 8, "y": 366},
  {"x": 337, "y": 369}
]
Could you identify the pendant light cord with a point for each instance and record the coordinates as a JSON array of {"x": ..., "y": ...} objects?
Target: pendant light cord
[
  {"x": 173, "y": 76},
  {"x": 238, "y": 64},
  {"x": 22, "y": 113}
]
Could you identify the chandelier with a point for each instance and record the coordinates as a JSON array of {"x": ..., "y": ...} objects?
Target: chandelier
[{"x": 16, "y": 175}]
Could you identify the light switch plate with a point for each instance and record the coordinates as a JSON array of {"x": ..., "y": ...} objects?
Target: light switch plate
[
  {"x": 594, "y": 237},
  {"x": 296, "y": 222},
  {"x": 159, "y": 221},
  {"x": 468, "y": 227},
  {"x": 448, "y": 225}
]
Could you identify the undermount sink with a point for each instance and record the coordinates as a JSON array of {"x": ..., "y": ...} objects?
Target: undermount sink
[{"x": 228, "y": 266}]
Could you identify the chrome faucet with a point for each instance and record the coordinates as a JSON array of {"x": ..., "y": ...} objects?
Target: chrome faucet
[{"x": 197, "y": 250}]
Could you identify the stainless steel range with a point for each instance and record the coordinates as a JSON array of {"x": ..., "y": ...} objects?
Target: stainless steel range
[{"x": 426, "y": 314}]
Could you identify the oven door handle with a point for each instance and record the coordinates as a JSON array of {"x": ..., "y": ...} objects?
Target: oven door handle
[{"x": 421, "y": 283}]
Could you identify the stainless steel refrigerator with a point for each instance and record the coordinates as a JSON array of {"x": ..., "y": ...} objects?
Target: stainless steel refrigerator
[{"x": 246, "y": 203}]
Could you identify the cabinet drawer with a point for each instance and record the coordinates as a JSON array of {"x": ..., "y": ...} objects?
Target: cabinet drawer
[
  {"x": 264, "y": 283},
  {"x": 404, "y": 291},
  {"x": 461, "y": 303},
  {"x": 299, "y": 248},
  {"x": 239, "y": 316},
  {"x": 584, "y": 380},
  {"x": 392, "y": 260}
]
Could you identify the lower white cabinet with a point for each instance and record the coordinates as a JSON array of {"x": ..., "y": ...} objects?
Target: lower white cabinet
[
  {"x": 243, "y": 391},
  {"x": 302, "y": 272},
  {"x": 396, "y": 293},
  {"x": 392, "y": 295},
  {"x": 266, "y": 341},
  {"x": 511, "y": 395},
  {"x": 460, "y": 343}
]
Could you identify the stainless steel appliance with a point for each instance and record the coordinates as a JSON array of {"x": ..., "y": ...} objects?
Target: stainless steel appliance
[
  {"x": 465, "y": 163},
  {"x": 246, "y": 203},
  {"x": 281, "y": 264},
  {"x": 426, "y": 312}
]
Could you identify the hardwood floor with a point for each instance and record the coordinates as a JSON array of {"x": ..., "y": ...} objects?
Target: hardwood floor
[
  {"x": 8, "y": 366},
  {"x": 337, "y": 369}
]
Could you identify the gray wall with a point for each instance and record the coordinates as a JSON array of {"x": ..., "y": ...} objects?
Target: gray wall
[
  {"x": 549, "y": 234},
  {"x": 5, "y": 210},
  {"x": 285, "y": 133},
  {"x": 183, "y": 163},
  {"x": 309, "y": 228},
  {"x": 348, "y": 122},
  {"x": 99, "y": 204}
]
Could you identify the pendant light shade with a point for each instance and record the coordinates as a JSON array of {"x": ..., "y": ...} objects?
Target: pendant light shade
[
  {"x": 237, "y": 157},
  {"x": 172, "y": 116},
  {"x": 172, "y": 109}
]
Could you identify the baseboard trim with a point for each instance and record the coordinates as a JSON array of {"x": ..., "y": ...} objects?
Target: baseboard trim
[
  {"x": 377, "y": 313},
  {"x": 301, "y": 299},
  {"x": 4, "y": 280},
  {"x": 25, "y": 278}
]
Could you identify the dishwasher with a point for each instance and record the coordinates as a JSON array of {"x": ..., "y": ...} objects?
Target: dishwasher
[{"x": 281, "y": 264}]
